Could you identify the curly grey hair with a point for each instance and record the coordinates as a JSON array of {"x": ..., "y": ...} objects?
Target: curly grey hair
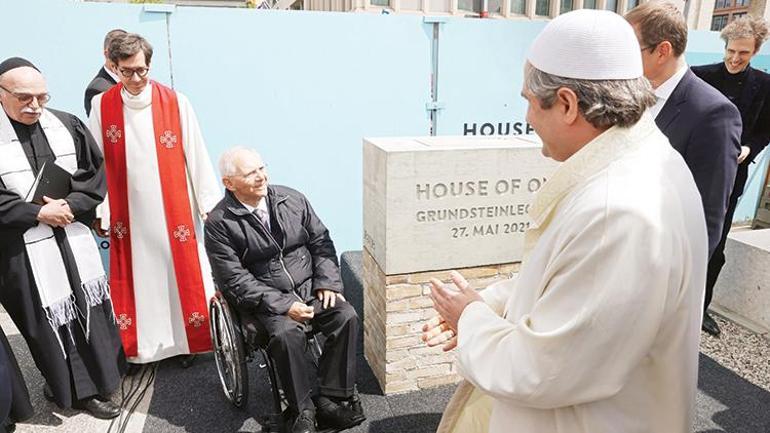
[
  {"x": 603, "y": 103},
  {"x": 746, "y": 27}
]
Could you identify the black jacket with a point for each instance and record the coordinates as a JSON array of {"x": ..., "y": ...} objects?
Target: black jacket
[
  {"x": 101, "y": 83},
  {"x": 266, "y": 272},
  {"x": 705, "y": 128},
  {"x": 754, "y": 104}
]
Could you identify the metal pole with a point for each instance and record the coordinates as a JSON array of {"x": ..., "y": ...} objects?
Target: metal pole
[{"x": 434, "y": 78}]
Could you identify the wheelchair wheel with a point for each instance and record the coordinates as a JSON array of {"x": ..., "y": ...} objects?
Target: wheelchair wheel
[{"x": 229, "y": 351}]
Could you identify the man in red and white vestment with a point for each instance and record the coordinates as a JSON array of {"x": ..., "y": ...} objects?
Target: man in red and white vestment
[{"x": 161, "y": 185}]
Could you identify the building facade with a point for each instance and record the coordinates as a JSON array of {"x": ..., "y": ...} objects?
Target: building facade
[
  {"x": 512, "y": 9},
  {"x": 700, "y": 14},
  {"x": 728, "y": 10}
]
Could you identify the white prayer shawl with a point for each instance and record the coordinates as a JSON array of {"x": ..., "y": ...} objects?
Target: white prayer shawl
[
  {"x": 160, "y": 324},
  {"x": 45, "y": 258},
  {"x": 601, "y": 329}
]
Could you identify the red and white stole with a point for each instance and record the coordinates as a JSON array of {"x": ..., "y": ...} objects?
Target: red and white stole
[{"x": 179, "y": 222}]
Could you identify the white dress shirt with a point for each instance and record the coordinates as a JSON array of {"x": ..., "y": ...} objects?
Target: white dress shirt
[
  {"x": 262, "y": 205},
  {"x": 664, "y": 91},
  {"x": 111, "y": 74}
]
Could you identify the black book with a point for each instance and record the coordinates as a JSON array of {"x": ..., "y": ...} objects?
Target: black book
[{"x": 52, "y": 181}]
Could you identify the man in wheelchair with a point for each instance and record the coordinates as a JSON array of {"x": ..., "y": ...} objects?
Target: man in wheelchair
[{"x": 273, "y": 257}]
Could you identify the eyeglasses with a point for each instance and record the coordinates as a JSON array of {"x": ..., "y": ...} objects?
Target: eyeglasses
[
  {"x": 129, "y": 72},
  {"x": 253, "y": 174},
  {"x": 647, "y": 47},
  {"x": 26, "y": 98}
]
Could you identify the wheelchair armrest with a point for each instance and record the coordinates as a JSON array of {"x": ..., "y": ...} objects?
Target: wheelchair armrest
[{"x": 252, "y": 334}]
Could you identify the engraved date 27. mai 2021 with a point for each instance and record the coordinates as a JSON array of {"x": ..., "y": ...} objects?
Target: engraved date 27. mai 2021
[{"x": 488, "y": 229}]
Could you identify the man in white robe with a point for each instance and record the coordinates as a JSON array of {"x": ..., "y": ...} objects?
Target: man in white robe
[
  {"x": 600, "y": 332},
  {"x": 160, "y": 188}
]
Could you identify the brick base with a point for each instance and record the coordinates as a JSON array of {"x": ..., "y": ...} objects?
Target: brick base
[{"x": 395, "y": 309}]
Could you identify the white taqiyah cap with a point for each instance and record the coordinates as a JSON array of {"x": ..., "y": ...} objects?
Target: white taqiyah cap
[{"x": 588, "y": 44}]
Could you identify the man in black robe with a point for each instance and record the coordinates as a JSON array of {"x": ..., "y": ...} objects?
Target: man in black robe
[
  {"x": 73, "y": 339},
  {"x": 105, "y": 78}
]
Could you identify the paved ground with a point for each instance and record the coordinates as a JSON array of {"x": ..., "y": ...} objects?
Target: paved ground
[
  {"x": 191, "y": 400},
  {"x": 745, "y": 352}
]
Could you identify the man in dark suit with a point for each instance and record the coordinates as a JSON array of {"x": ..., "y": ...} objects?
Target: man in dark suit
[
  {"x": 273, "y": 258},
  {"x": 749, "y": 90},
  {"x": 699, "y": 121},
  {"x": 105, "y": 78}
]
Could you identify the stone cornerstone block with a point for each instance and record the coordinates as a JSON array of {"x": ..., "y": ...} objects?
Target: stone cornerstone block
[
  {"x": 743, "y": 286},
  {"x": 427, "y": 199},
  {"x": 431, "y": 205},
  {"x": 393, "y": 318}
]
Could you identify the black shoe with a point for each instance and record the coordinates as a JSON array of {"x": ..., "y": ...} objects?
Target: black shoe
[
  {"x": 338, "y": 416},
  {"x": 186, "y": 360},
  {"x": 304, "y": 422},
  {"x": 10, "y": 427},
  {"x": 710, "y": 325},
  {"x": 97, "y": 408}
]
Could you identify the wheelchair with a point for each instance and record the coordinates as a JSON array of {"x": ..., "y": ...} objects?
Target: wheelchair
[{"x": 238, "y": 340}]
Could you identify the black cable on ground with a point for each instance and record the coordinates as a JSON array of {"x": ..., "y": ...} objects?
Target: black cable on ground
[{"x": 133, "y": 389}]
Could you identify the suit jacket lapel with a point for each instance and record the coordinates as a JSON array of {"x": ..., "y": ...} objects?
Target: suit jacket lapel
[
  {"x": 667, "y": 115},
  {"x": 103, "y": 73},
  {"x": 671, "y": 108}
]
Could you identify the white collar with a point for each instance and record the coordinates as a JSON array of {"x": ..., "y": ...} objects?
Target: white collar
[
  {"x": 113, "y": 75},
  {"x": 137, "y": 102},
  {"x": 665, "y": 90},
  {"x": 595, "y": 156},
  {"x": 261, "y": 205},
  {"x": 592, "y": 158}
]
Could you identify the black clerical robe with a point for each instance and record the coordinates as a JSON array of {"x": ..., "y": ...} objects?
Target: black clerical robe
[
  {"x": 6, "y": 389},
  {"x": 6, "y": 384},
  {"x": 92, "y": 366},
  {"x": 12, "y": 387}
]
